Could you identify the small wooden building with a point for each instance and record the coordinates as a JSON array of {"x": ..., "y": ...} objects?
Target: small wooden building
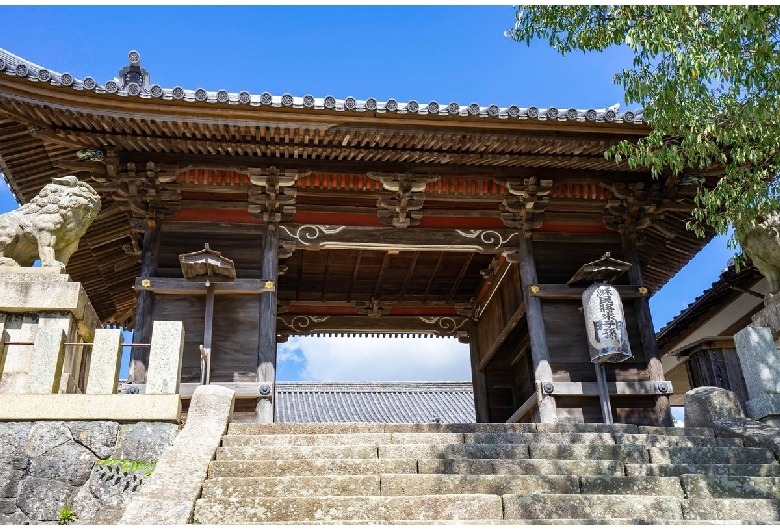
[{"x": 348, "y": 216}]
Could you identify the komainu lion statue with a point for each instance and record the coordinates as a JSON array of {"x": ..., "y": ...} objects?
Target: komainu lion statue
[
  {"x": 50, "y": 225},
  {"x": 762, "y": 244}
]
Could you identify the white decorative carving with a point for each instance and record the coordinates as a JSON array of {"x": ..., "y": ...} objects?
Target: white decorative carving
[
  {"x": 446, "y": 324},
  {"x": 488, "y": 237},
  {"x": 306, "y": 234},
  {"x": 301, "y": 323}
]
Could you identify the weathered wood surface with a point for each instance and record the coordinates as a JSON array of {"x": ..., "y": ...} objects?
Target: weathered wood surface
[
  {"x": 501, "y": 337},
  {"x": 443, "y": 326},
  {"x": 266, "y": 352},
  {"x": 478, "y": 378},
  {"x": 615, "y": 388},
  {"x": 528, "y": 406},
  {"x": 646, "y": 330},
  {"x": 564, "y": 292},
  {"x": 180, "y": 286},
  {"x": 536, "y": 329},
  {"x": 716, "y": 363},
  {"x": 315, "y": 237},
  {"x": 235, "y": 335},
  {"x": 142, "y": 333}
]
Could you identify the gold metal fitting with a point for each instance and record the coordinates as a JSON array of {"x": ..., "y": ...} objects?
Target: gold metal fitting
[{"x": 146, "y": 282}]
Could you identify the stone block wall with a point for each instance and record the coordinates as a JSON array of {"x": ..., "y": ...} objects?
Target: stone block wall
[{"x": 46, "y": 465}]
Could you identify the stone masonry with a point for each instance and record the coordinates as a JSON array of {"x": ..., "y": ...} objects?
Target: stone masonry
[{"x": 47, "y": 465}]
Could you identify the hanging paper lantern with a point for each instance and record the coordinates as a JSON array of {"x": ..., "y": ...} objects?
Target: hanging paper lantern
[{"x": 605, "y": 324}]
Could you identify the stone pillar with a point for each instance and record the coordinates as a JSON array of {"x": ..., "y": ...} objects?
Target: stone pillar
[
  {"x": 266, "y": 355},
  {"x": 537, "y": 334},
  {"x": 164, "y": 372},
  {"x": 33, "y": 298},
  {"x": 760, "y": 363},
  {"x": 45, "y": 368},
  {"x": 3, "y": 338},
  {"x": 142, "y": 331},
  {"x": 663, "y": 409},
  {"x": 104, "y": 363}
]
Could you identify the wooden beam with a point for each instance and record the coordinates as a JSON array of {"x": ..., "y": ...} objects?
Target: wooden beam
[
  {"x": 433, "y": 277},
  {"x": 554, "y": 291},
  {"x": 478, "y": 378},
  {"x": 317, "y": 237},
  {"x": 510, "y": 325},
  {"x": 142, "y": 331},
  {"x": 536, "y": 330},
  {"x": 637, "y": 388},
  {"x": 530, "y": 404},
  {"x": 440, "y": 326},
  {"x": 266, "y": 355},
  {"x": 646, "y": 329},
  {"x": 409, "y": 274},
  {"x": 459, "y": 279},
  {"x": 354, "y": 275},
  {"x": 180, "y": 286},
  {"x": 380, "y": 276},
  {"x": 327, "y": 275}
]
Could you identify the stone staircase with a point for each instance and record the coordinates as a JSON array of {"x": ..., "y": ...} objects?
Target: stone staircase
[{"x": 486, "y": 474}]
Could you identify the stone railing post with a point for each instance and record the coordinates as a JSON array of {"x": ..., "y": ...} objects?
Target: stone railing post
[
  {"x": 760, "y": 363},
  {"x": 46, "y": 363},
  {"x": 165, "y": 354},
  {"x": 3, "y": 338},
  {"x": 105, "y": 361}
]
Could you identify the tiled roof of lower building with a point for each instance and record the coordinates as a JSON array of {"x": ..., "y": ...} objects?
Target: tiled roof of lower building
[{"x": 385, "y": 402}]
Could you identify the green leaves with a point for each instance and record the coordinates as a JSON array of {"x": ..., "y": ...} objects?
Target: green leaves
[{"x": 709, "y": 82}]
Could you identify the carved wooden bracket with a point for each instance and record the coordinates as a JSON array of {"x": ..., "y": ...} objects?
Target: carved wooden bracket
[
  {"x": 401, "y": 200},
  {"x": 272, "y": 195},
  {"x": 145, "y": 192},
  {"x": 524, "y": 202},
  {"x": 374, "y": 308},
  {"x": 638, "y": 206}
]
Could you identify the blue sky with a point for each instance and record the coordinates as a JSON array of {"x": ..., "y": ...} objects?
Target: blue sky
[{"x": 424, "y": 53}]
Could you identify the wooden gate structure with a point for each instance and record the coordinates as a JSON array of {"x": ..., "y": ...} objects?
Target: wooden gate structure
[{"x": 348, "y": 216}]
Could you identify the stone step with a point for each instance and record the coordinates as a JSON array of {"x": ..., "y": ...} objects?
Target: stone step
[
  {"x": 362, "y": 428},
  {"x": 426, "y": 508},
  {"x": 265, "y": 440},
  {"x": 487, "y": 484},
  {"x": 519, "y": 467},
  {"x": 677, "y": 431},
  {"x": 568, "y": 506},
  {"x": 518, "y": 522},
  {"x": 760, "y": 510},
  {"x": 595, "y": 438},
  {"x": 706, "y": 455},
  {"x": 474, "y": 451},
  {"x": 735, "y": 487},
  {"x": 677, "y": 470},
  {"x": 292, "y": 486},
  {"x": 387, "y": 485},
  {"x": 635, "y": 454},
  {"x": 661, "y": 440},
  {"x": 648, "y": 485},
  {"x": 280, "y": 452},
  {"x": 356, "y": 428},
  {"x": 316, "y": 466}
]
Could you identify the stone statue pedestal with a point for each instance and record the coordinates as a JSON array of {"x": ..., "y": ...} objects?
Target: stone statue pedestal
[{"x": 42, "y": 297}]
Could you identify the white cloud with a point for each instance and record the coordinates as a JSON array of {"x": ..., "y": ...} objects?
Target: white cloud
[{"x": 377, "y": 359}]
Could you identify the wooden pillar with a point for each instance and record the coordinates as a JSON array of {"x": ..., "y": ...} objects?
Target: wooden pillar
[
  {"x": 537, "y": 335},
  {"x": 266, "y": 355},
  {"x": 142, "y": 331},
  {"x": 646, "y": 329},
  {"x": 478, "y": 378}
]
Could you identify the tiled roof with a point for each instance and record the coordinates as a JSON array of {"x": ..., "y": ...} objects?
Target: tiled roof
[
  {"x": 386, "y": 402},
  {"x": 14, "y": 65},
  {"x": 711, "y": 299}
]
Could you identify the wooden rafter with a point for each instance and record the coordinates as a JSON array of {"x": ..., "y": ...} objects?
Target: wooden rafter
[{"x": 461, "y": 274}]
